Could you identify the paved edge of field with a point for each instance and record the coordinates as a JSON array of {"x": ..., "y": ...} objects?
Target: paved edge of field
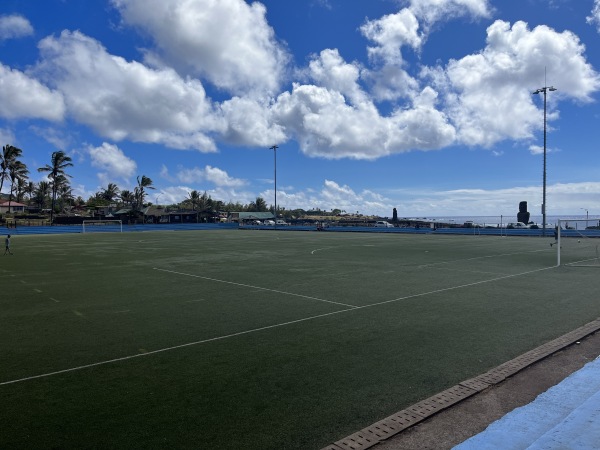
[{"x": 458, "y": 413}]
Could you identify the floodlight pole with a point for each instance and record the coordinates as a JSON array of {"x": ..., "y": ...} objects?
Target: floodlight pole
[
  {"x": 587, "y": 215},
  {"x": 274, "y": 148},
  {"x": 544, "y": 90}
]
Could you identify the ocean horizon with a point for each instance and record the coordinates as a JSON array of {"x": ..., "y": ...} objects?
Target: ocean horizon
[{"x": 497, "y": 220}]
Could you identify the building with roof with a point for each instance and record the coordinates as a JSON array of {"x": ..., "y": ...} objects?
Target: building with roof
[
  {"x": 14, "y": 207},
  {"x": 245, "y": 217}
]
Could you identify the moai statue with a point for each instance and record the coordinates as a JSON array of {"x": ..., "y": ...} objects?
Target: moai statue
[{"x": 523, "y": 215}]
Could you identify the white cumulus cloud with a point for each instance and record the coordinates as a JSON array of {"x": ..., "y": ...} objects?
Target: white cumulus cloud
[
  {"x": 112, "y": 161},
  {"x": 209, "y": 174},
  {"x": 229, "y": 42},
  {"x": 127, "y": 100},
  {"x": 14, "y": 26},
  {"x": 432, "y": 11},
  {"x": 594, "y": 17},
  {"x": 24, "y": 97},
  {"x": 488, "y": 94}
]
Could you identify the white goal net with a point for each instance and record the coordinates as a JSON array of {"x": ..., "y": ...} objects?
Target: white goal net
[
  {"x": 102, "y": 226},
  {"x": 578, "y": 242}
]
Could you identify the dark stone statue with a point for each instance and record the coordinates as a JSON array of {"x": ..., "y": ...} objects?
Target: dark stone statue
[{"x": 523, "y": 215}]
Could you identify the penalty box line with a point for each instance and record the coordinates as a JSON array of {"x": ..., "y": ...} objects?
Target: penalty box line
[
  {"x": 441, "y": 263},
  {"x": 268, "y": 327},
  {"x": 255, "y": 287}
]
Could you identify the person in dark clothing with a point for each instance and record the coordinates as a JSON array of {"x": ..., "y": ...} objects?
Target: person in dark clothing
[
  {"x": 7, "y": 245},
  {"x": 555, "y": 236}
]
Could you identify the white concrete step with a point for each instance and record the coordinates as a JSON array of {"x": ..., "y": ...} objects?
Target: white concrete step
[{"x": 566, "y": 416}]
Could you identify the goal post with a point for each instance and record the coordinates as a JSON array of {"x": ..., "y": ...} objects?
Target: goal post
[
  {"x": 102, "y": 226},
  {"x": 578, "y": 242}
]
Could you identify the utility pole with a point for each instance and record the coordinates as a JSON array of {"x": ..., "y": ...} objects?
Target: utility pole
[
  {"x": 544, "y": 90},
  {"x": 274, "y": 148}
]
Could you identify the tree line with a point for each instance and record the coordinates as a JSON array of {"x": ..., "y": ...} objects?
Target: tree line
[{"x": 57, "y": 194}]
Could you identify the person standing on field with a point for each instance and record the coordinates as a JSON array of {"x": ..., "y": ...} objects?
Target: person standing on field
[
  {"x": 555, "y": 236},
  {"x": 7, "y": 248}
]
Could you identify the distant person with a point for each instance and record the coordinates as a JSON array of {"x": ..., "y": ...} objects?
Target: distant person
[
  {"x": 7, "y": 245},
  {"x": 555, "y": 236}
]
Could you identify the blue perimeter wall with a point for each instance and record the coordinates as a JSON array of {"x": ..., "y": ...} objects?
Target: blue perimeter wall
[{"x": 60, "y": 229}]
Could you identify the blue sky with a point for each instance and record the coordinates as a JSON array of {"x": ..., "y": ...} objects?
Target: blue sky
[{"x": 421, "y": 105}]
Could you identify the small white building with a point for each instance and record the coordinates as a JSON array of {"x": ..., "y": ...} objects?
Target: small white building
[{"x": 14, "y": 207}]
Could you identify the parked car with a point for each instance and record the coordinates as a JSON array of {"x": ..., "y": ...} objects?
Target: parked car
[
  {"x": 281, "y": 222},
  {"x": 269, "y": 222},
  {"x": 383, "y": 224},
  {"x": 517, "y": 225}
]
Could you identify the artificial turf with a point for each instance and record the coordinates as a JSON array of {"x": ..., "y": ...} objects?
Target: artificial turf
[{"x": 260, "y": 339}]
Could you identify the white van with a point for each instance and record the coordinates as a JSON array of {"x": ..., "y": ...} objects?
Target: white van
[{"x": 383, "y": 224}]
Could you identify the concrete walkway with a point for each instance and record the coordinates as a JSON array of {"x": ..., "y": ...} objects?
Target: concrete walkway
[{"x": 566, "y": 416}]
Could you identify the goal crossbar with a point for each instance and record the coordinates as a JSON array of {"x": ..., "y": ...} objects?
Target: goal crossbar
[{"x": 88, "y": 226}]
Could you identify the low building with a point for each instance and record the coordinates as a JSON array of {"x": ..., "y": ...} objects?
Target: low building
[
  {"x": 250, "y": 216},
  {"x": 13, "y": 208}
]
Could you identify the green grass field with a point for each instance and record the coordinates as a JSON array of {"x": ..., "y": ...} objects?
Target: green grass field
[{"x": 260, "y": 339}]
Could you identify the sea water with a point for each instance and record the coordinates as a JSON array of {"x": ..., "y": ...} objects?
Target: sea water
[{"x": 503, "y": 220}]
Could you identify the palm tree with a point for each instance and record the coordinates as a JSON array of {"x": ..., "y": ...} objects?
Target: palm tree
[
  {"x": 20, "y": 189},
  {"x": 62, "y": 188},
  {"x": 111, "y": 192},
  {"x": 58, "y": 163},
  {"x": 16, "y": 171},
  {"x": 205, "y": 202},
  {"x": 29, "y": 189},
  {"x": 127, "y": 197},
  {"x": 194, "y": 198},
  {"x": 9, "y": 154},
  {"x": 65, "y": 194},
  {"x": 41, "y": 193},
  {"x": 140, "y": 190}
]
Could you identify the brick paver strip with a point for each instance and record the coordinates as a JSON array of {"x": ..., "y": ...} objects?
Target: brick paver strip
[
  {"x": 358, "y": 441},
  {"x": 396, "y": 423}
]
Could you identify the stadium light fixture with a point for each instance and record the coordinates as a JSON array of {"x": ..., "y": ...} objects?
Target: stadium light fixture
[
  {"x": 274, "y": 148},
  {"x": 544, "y": 90}
]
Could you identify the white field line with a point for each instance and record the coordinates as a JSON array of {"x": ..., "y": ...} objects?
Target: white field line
[
  {"x": 268, "y": 327},
  {"x": 452, "y": 269},
  {"x": 452, "y": 288},
  {"x": 476, "y": 258},
  {"x": 175, "y": 347},
  {"x": 319, "y": 249},
  {"x": 584, "y": 261},
  {"x": 254, "y": 287}
]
